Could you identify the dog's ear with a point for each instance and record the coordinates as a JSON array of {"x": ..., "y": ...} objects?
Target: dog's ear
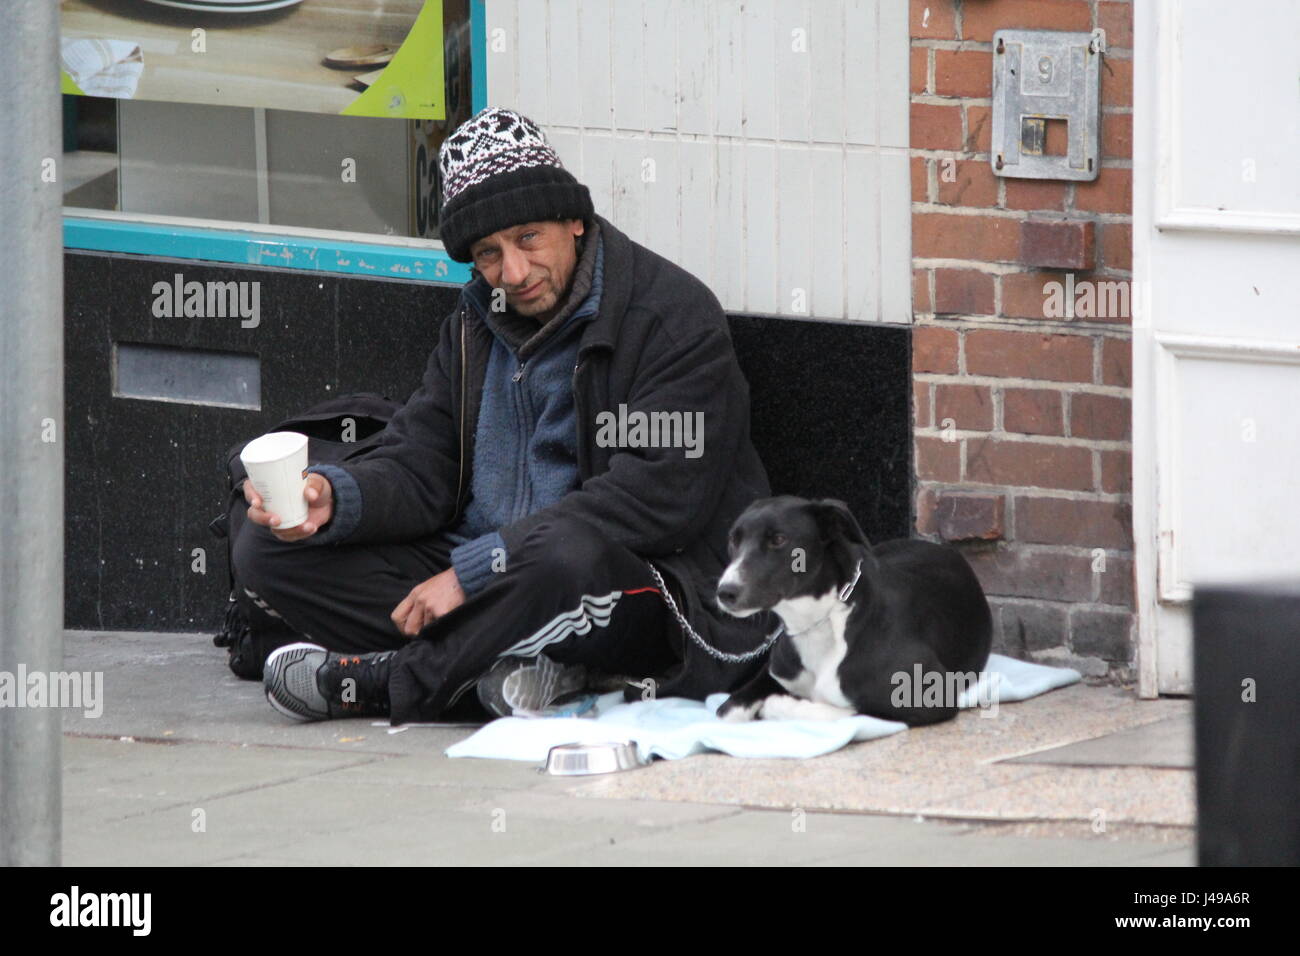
[
  {"x": 846, "y": 542},
  {"x": 836, "y": 521}
]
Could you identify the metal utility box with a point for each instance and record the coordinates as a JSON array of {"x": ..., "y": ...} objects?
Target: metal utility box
[{"x": 1041, "y": 77}]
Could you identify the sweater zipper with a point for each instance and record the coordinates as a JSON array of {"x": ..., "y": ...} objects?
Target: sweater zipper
[
  {"x": 523, "y": 409},
  {"x": 578, "y": 416}
]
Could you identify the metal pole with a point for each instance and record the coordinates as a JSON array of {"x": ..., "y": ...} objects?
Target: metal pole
[{"x": 31, "y": 429}]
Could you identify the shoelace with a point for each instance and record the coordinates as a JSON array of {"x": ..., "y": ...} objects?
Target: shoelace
[
  {"x": 369, "y": 665},
  {"x": 343, "y": 663}
]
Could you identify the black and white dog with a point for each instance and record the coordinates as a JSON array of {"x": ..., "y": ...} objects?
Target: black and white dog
[{"x": 858, "y": 620}]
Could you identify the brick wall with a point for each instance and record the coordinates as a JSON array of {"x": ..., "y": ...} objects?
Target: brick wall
[{"x": 1021, "y": 412}]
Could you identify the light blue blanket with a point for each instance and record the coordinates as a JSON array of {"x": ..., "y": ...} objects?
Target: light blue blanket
[{"x": 674, "y": 727}]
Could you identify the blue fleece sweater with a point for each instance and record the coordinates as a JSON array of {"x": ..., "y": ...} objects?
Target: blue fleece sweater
[{"x": 525, "y": 442}]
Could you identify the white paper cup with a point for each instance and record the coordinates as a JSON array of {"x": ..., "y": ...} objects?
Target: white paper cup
[{"x": 275, "y": 463}]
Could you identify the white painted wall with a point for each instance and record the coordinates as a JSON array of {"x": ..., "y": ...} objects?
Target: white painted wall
[{"x": 761, "y": 145}]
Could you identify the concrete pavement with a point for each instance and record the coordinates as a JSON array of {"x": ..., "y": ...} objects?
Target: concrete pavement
[{"x": 188, "y": 765}]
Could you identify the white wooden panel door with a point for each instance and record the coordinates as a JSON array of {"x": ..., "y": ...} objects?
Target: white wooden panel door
[{"x": 1216, "y": 344}]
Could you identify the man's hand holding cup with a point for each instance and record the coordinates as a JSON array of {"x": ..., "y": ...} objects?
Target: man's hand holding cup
[{"x": 280, "y": 496}]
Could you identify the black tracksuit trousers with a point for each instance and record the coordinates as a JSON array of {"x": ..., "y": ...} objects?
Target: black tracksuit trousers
[{"x": 567, "y": 592}]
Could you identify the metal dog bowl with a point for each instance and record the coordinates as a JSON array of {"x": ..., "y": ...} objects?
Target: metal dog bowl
[{"x": 571, "y": 760}]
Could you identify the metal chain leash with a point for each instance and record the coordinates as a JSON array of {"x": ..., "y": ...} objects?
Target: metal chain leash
[{"x": 710, "y": 649}]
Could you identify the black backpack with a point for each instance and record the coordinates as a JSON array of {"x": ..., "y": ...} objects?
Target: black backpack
[{"x": 338, "y": 429}]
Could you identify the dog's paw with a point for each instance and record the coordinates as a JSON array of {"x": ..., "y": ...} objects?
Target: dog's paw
[
  {"x": 786, "y": 707},
  {"x": 780, "y": 707},
  {"x": 735, "y": 712}
]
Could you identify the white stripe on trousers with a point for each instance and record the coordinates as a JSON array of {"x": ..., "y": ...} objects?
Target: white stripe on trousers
[{"x": 590, "y": 611}]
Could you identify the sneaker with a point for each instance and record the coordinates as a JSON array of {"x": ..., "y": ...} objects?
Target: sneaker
[
  {"x": 526, "y": 686},
  {"x": 306, "y": 682}
]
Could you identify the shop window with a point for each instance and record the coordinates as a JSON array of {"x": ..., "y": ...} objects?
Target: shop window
[{"x": 298, "y": 160}]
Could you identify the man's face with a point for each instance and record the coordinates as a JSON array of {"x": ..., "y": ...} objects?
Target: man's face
[{"x": 533, "y": 263}]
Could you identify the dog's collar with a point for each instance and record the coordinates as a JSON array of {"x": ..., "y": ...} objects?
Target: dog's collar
[
  {"x": 842, "y": 596},
  {"x": 847, "y": 590}
]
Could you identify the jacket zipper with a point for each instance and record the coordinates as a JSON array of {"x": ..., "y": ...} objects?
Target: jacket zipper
[{"x": 464, "y": 365}]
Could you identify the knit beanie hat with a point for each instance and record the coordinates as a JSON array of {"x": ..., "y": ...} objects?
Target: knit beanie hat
[{"x": 498, "y": 171}]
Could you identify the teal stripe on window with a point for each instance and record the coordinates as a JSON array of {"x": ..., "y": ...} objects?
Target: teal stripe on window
[
  {"x": 310, "y": 253},
  {"x": 478, "y": 54}
]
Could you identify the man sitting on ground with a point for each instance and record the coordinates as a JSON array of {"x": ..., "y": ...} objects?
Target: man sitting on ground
[{"x": 551, "y": 504}]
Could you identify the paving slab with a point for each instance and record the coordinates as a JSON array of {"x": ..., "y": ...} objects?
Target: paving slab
[
  {"x": 1161, "y": 743},
  {"x": 1179, "y": 856},
  {"x": 177, "y": 686},
  {"x": 114, "y": 779},
  {"x": 1102, "y": 794}
]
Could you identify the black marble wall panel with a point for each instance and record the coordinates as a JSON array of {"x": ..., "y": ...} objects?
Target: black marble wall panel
[
  {"x": 831, "y": 417},
  {"x": 144, "y": 478},
  {"x": 831, "y": 408}
]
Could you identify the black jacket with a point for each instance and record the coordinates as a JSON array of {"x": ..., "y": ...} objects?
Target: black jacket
[{"x": 659, "y": 342}]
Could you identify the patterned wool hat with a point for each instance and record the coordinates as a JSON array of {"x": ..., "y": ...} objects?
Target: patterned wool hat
[{"x": 498, "y": 171}]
